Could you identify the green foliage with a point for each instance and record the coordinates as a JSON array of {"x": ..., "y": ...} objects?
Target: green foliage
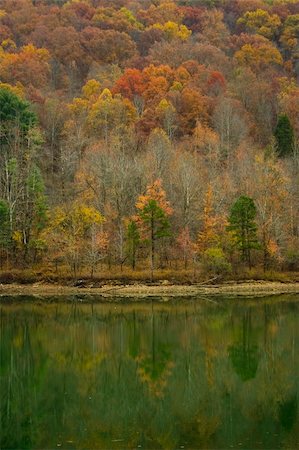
[
  {"x": 132, "y": 241},
  {"x": 153, "y": 212},
  {"x": 284, "y": 136},
  {"x": 288, "y": 411},
  {"x": 244, "y": 361},
  {"x": 15, "y": 111},
  {"x": 243, "y": 227},
  {"x": 4, "y": 223},
  {"x": 244, "y": 353},
  {"x": 214, "y": 261},
  {"x": 292, "y": 259},
  {"x": 155, "y": 217}
]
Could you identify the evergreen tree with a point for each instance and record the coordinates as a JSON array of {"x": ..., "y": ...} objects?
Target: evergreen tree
[
  {"x": 15, "y": 114},
  {"x": 284, "y": 136},
  {"x": 21, "y": 183},
  {"x": 133, "y": 240},
  {"x": 242, "y": 225},
  {"x": 153, "y": 217}
]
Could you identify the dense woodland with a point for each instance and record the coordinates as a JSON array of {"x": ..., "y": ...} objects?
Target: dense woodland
[{"x": 152, "y": 135}]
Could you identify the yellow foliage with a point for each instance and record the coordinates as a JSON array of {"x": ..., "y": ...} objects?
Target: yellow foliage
[
  {"x": 42, "y": 53},
  {"x": 165, "y": 106},
  {"x": 290, "y": 35},
  {"x": 18, "y": 89},
  {"x": 208, "y": 235},
  {"x": 17, "y": 237},
  {"x": 76, "y": 219},
  {"x": 261, "y": 22},
  {"x": 8, "y": 44},
  {"x": 106, "y": 95},
  {"x": 205, "y": 139},
  {"x": 177, "y": 86},
  {"x": 109, "y": 112},
  {"x": 258, "y": 56},
  {"x": 91, "y": 89},
  {"x": 173, "y": 30},
  {"x": 78, "y": 106}
]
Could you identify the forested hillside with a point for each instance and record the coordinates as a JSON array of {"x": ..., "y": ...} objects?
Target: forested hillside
[{"x": 150, "y": 134}]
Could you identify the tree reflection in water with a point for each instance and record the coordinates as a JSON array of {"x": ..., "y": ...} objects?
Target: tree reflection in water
[
  {"x": 185, "y": 374},
  {"x": 244, "y": 354}
]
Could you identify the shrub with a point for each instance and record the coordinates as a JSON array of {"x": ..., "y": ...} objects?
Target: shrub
[
  {"x": 292, "y": 260},
  {"x": 215, "y": 262}
]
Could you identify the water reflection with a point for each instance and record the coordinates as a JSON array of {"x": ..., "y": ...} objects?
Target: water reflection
[
  {"x": 244, "y": 353},
  {"x": 181, "y": 375}
]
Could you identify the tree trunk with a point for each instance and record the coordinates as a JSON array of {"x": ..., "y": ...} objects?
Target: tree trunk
[{"x": 152, "y": 247}]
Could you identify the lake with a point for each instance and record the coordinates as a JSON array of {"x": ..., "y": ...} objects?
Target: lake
[{"x": 189, "y": 373}]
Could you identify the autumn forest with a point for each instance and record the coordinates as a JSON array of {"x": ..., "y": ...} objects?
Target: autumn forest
[{"x": 152, "y": 139}]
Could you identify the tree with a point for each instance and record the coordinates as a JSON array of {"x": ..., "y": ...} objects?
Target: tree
[
  {"x": 215, "y": 262},
  {"x": 259, "y": 57},
  {"x": 186, "y": 245},
  {"x": 107, "y": 46},
  {"x": 231, "y": 124},
  {"x": 261, "y": 22},
  {"x": 174, "y": 31},
  {"x": 110, "y": 113},
  {"x": 29, "y": 66},
  {"x": 121, "y": 20},
  {"x": 153, "y": 213},
  {"x": 21, "y": 184},
  {"x": 214, "y": 30},
  {"x": 132, "y": 241},
  {"x": 131, "y": 84},
  {"x": 14, "y": 111},
  {"x": 243, "y": 227},
  {"x": 284, "y": 136},
  {"x": 160, "y": 13},
  {"x": 289, "y": 37},
  {"x": 208, "y": 237},
  {"x": 31, "y": 217},
  {"x": 192, "y": 106},
  {"x": 71, "y": 230},
  {"x": 167, "y": 115},
  {"x": 4, "y": 228},
  {"x": 98, "y": 246},
  {"x": 274, "y": 204}
]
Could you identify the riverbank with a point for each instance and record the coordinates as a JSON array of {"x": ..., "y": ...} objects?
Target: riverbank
[{"x": 246, "y": 288}]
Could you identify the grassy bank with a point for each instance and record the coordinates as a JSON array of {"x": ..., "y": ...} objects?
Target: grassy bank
[
  {"x": 128, "y": 283},
  {"x": 123, "y": 275}
]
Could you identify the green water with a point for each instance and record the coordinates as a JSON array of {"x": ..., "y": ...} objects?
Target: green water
[{"x": 186, "y": 374}]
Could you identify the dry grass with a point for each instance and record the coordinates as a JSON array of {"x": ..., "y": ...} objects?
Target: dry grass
[{"x": 117, "y": 275}]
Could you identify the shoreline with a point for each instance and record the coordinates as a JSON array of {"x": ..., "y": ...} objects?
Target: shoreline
[{"x": 109, "y": 291}]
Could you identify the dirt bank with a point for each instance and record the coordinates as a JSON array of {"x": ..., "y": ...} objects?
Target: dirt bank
[{"x": 248, "y": 288}]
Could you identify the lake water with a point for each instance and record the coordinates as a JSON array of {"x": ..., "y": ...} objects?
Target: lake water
[{"x": 205, "y": 373}]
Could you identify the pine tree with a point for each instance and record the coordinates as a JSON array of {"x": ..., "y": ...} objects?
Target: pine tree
[
  {"x": 153, "y": 211},
  {"x": 133, "y": 240},
  {"x": 242, "y": 225},
  {"x": 284, "y": 136}
]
